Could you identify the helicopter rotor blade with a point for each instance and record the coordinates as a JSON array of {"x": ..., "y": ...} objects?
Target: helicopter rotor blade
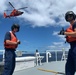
[
  {"x": 22, "y": 8},
  {"x": 7, "y": 10},
  {"x": 11, "y": 4}
]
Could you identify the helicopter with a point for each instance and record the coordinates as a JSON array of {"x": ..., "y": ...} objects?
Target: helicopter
[{"x": 14, "y": 12}]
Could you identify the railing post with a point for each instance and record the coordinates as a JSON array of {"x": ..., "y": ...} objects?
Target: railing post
[
  {"x": 46, "y": 57},
  {"x": 47, "y": 54},
  {"x": 3, "y": 55},
  {"x": 56, "y": 55}
]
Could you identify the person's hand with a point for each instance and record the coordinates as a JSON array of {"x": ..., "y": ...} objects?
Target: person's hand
[
  {"x": 61, "y": 32},
  {"x": 18, "y": 42}
]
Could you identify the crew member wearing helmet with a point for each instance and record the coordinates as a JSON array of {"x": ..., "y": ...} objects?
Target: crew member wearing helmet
[
  {"x": 70, "y": 33},
  {"x": 10, "y": 44}
]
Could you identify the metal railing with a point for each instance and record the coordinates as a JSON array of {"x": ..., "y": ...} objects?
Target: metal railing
[{"x": 49, "y": 55}]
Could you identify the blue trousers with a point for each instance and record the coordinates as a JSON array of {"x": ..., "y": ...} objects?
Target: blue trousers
[
  {"x": 9, "y": 65},
  {"x": 70, "y": 66}
]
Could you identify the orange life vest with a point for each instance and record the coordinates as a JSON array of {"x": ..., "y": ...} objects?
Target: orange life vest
[
  {"x": 13, "y": 39},
  {"x": 69, "y": 38}
]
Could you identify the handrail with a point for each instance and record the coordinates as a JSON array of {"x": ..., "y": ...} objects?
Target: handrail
[
  {"x": 56, "y": 54},
  {"x": 48, "y": 54}
]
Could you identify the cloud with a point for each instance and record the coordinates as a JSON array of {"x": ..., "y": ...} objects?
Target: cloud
[
  {"x": 42, "y": 12},
  {"x": 3, "y": 6},
  {"x": 58, "y": 46},
  {"x": 61, "y": 37}
]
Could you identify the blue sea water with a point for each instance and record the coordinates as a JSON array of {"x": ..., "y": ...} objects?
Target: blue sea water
[{"x": 53, "y": 58}]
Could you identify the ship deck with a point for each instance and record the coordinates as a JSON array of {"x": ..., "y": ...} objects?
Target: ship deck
[{"x": 51, "y": 68}]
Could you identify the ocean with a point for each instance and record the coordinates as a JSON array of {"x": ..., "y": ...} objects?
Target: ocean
[{"x": 53, "y": 54}]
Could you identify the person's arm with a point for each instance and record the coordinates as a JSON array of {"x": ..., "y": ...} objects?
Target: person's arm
[
  {"x": 11, "y": 43},
  {"x": 72, "y": 34},
  {"x": 8, "y": 39}
]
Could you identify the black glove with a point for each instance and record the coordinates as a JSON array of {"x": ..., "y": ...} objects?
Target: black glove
[
  {"x": 61, "y": 32},
  {"x": 19, "y": 42}
]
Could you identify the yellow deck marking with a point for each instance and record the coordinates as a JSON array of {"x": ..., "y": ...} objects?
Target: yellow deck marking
[{"x": 51, "y": 71}]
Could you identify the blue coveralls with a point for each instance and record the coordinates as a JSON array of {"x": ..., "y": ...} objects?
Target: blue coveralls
[
  {"x": 70, "y": 66},
  {"x": 9, "y": 63}
]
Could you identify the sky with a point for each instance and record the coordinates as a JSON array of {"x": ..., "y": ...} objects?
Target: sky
[{"x": 39, "y": 24}]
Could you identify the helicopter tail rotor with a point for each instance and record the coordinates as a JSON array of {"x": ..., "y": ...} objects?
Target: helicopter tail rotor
[{"x": 5, "y": 15}]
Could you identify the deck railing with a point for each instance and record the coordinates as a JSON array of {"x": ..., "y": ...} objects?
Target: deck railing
[
  {"x": 63, "y": 57},
  {"x": 48, "y": 54}
]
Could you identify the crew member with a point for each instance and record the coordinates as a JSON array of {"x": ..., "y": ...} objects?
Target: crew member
[
  {"x": 70, "y": 33},
  {"x": 10, "y": 44}
]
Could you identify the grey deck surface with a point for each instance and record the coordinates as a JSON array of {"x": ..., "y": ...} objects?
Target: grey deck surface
[
  {"x": 58, "y": 66},
  {"x": 1, "y": 67},
  {"x": 1, "y": 63}
]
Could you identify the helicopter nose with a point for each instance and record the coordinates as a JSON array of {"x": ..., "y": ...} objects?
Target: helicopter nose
[{"x": 22, "y": 12}]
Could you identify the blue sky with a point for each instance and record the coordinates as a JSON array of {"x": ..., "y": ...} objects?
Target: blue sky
[{"x": 39, "y": 24}]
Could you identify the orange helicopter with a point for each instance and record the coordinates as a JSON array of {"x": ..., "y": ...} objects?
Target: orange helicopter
[{"x": 14, "y": 13}]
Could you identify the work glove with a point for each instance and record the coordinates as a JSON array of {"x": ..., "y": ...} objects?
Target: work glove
[
  {"x": 18, "y": 42},
  {"x": 61, "y": 32}
]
